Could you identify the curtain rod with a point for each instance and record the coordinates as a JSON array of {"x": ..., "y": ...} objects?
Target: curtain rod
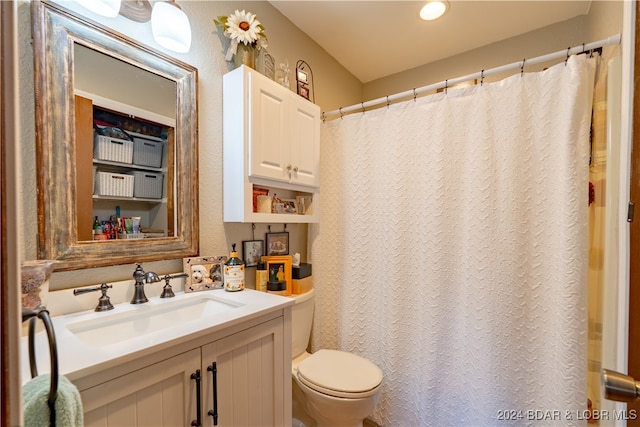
[{"x": 615, "y": 39}]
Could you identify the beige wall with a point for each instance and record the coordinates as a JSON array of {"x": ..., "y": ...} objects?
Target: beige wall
[
  {"x": 334, "y": 87},
  {"x": 604, "y": 20}
]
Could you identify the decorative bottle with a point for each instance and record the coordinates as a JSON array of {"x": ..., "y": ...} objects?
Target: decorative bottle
[
  {"x": 261, "y": 277},
  {"x": 233, "y": 272}
]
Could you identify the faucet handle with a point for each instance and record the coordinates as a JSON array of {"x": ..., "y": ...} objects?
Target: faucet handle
[
  {"x": 167, "y": 292},
  {"x": 104, "y": 302}
]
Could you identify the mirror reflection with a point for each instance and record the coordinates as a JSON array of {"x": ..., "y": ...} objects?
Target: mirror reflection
[
  {"x": 117, "y": 149},
  {"x": 125, "y": 121}
]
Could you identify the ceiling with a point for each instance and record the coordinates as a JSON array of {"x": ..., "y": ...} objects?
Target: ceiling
[{"x": 374, "y": 39}]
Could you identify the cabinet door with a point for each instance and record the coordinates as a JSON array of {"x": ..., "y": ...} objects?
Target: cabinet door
[
  {"x": 162, "y": 394},
  {"x": 305, "y": 142},
  {"x": 249, "y": 377},
  {"x": 268, "y": 123}
]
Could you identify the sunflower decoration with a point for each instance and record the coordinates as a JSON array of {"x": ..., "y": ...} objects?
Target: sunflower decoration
[{"x": 242, "y": 27}]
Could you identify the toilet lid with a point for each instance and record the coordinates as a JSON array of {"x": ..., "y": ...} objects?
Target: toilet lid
[{"x": 340, "y": 374}]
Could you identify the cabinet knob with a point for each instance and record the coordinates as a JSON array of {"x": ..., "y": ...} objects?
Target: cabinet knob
[
  {"x": 295, "y": 169},
  {"x": 289, "y": 167}
]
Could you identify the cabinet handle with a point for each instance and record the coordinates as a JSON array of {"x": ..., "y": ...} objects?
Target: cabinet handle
[
  {"x": 295, "y": 169},
  {"x": 289, "y": 167},
  {"x": 198, "y": 421},
  {"x": 213, "y": 368}
]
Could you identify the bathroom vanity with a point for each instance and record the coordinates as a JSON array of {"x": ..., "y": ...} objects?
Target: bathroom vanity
[{"x": 203, "y": 358}]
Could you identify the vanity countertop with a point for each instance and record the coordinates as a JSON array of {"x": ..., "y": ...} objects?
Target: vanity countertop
[{"x": 87, "y": 349}]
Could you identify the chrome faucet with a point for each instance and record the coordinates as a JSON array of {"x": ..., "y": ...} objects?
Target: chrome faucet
[{"x": 141, "y": 278}]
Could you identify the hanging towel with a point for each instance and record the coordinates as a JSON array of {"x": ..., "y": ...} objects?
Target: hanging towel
[{"x": 35, "y": 394}]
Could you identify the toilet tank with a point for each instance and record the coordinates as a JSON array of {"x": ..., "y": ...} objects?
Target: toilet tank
[{"x": 301, "y": 321}]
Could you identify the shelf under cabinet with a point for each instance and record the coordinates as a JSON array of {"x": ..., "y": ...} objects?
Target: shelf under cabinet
[{"x": 130, "y": 199}]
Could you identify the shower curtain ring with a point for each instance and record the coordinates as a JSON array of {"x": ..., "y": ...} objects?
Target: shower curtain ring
[
  {"x": 340, "y": 110},
  {"x": 446, "y": 86},
  {"x": 414, "y": 94},
  {"x": 482, "y": 77},
  {"x": 387, "y": 101},
  {"x": 362, "y": 105},
  {"x": 566, "y": 60},
  {"x": 522, "y": 67}
]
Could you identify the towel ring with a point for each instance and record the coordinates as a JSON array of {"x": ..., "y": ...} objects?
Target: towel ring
[{"x": 43, "y": 314}]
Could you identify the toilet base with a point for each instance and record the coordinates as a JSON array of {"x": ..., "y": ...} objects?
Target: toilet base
[
  {"x": 298, "y": 404},
  {"x": 341, "y": 412}
]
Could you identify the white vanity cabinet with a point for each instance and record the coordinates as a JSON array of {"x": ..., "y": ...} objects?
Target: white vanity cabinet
[
  {"x": 271, "y": 140},
  {"x": 242, "y": 379},
  {"x": 249, "y": 382},
  {"x": 161, "y": 394}
]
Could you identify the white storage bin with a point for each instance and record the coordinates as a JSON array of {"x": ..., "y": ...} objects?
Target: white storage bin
[
  {"x": 130, "y": 236},
  {"x": 148, "y": 185},
  {"x": 112, "y": 149},
  {"x": 113, "y": 184},
  {"x": 147, "y": 152}
]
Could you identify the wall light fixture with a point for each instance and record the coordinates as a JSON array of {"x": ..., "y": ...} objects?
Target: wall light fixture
[
  {"x": 107, "y": 8},
  {"x": 170, "y": 26}
]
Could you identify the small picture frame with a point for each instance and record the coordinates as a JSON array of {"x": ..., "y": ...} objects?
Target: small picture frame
[
  {"x": 277, "y": 243},
  {"x": 203, "y": 273},
  {"x": 279, "y": 273},
  {"x": 252, "y": 251},
  {"x": 303, "y": 91},
  {"x": 289, "y": 206},
  {"x": 302, "y": 76}
]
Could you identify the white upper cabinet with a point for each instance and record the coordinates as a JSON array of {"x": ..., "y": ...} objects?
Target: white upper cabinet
[
  {"x": 271, "y": 140},
  {"x": 284, "y": 132}
]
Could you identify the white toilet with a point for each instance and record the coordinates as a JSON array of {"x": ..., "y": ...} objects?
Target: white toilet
[{"x": 335, "y": 388}]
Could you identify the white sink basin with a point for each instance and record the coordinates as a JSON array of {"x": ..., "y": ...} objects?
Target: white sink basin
[{"x": 140, "y": 320}]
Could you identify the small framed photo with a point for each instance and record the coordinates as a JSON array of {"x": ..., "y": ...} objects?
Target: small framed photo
[
  {"x": 203, "y": 273},
  {"x": 302, "y": 76},
  {"x": 279, "y": 273},
  {"x": 252, "y": 251},
  {"x": 303, "y": 91},
  {"x": 277, "y": 243},
  {"x": 289, "y": 206}
]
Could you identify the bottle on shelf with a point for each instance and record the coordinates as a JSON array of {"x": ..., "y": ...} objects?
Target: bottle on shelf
[{"x": 97, "y": 226}]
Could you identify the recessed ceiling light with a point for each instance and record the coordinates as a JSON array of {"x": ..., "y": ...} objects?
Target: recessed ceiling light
[{"x": 433, "y": 10}]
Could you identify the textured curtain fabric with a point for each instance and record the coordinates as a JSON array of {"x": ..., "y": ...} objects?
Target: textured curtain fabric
[{"x": 453, "y": 248}]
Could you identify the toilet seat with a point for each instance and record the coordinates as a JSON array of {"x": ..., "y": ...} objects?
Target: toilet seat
[{"x": 340, "y": 374}]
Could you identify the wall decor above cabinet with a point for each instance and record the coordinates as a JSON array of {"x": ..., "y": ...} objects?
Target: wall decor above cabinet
[
  {"x": 83, "y": 71},
  {"x": 271, "y": 140}
]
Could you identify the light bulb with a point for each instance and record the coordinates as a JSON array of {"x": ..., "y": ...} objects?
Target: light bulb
[
  {"x": 170, "y": 26},
  {"x": 108, "y": 8}
]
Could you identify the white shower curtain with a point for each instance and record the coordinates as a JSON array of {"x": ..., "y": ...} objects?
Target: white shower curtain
[{"x": 452, "y": 250}]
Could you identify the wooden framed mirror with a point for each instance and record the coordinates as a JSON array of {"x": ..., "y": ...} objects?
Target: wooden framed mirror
[{"x": 147, "y": 103}]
